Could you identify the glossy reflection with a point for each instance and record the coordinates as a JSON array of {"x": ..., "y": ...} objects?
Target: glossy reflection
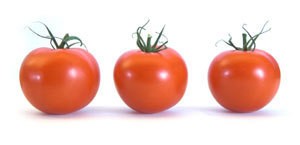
[
  {"x": 73, "y": 72},
  {"x": 163, "y": 75},
  {"x": 260, "y": 73},
  {"x": 35, "y": 77}
]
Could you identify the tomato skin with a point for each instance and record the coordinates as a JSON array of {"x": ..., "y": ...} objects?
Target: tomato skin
[
  {"x": 150, "y": 82},
  {"x": 244, "y": 81},
  {"x": 59, "y": 81}
]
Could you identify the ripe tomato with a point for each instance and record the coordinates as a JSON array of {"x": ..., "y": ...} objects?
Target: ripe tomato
[
  {"x": 244, "y": 80},
  {"x": 59, "y": 81},
  {"x": 150, "y": 81}
]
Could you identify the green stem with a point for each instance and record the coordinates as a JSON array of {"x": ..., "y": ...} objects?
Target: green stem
[
  {"x": 64, "y": 41},
  {"x": 248, "y": 45},
  {"x": 147, "y": 47},
  {"x": 244, "y": 41},
  {"x": 148, "y": 43}
]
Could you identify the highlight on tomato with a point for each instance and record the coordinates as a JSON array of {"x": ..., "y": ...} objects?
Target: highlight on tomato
[
  {"x": 61, "y": 79},
  {"x": 245, "y": 79},
  {"x": 152, "y": 78}
]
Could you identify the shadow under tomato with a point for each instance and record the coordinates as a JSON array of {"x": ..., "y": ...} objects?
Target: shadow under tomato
[
  {"x": 107, "y": 112},
  {"x": 112, "y": 112},
  {"x": 125, "y": 112},
  {"x": 221, "y": 112}
]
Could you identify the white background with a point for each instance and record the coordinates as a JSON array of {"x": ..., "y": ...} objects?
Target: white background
[{"x": 192, "y": 28}]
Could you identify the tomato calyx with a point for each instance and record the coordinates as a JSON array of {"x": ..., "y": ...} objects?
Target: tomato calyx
[
  {"x": 146, "y": 46},
  {"x": 64, "y": 44},
  {"x": 248, "y": 45}
]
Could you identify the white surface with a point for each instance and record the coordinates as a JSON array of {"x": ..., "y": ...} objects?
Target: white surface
[{"x": 192, "y": 28}]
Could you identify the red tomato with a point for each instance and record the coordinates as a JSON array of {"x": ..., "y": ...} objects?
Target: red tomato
[
  {"x": 244, "y": 81},
  {"x": 59, "y": 81},
  {"x": 151, "y": 79},
  {"x": 150, "y": 82}
]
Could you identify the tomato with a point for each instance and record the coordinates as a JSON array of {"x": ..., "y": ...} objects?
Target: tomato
[
  {"x": 150, "y": 82},
  {"x": 244, "y": 80},
  {"x": 59, "y": 81}
]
